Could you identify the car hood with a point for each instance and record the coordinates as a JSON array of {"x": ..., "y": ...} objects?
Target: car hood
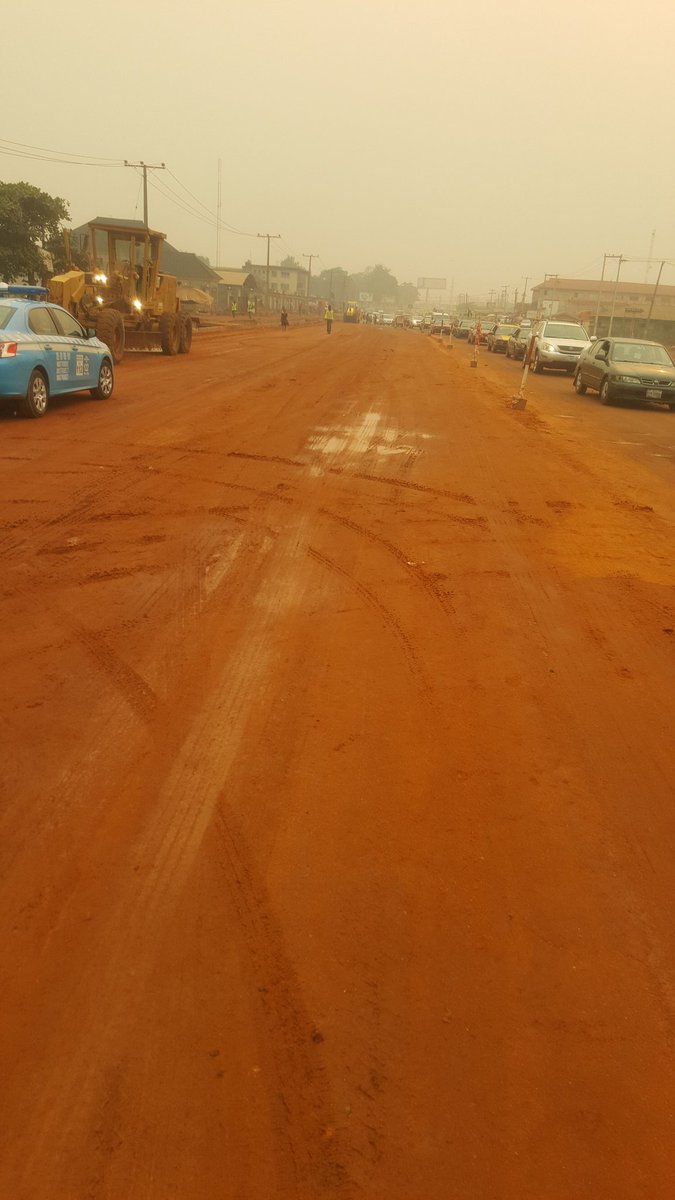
[{"x": 644, "y": 370}]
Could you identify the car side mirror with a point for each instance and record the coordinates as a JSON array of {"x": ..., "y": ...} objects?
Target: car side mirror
[
  {"x": 593, "y": 338},
  {"x": 90, "y": 333}
]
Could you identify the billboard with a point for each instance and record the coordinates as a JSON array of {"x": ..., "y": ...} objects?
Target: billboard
[
  {"x": 432, "y": 283},
  {"x": 366, "y": 297}
]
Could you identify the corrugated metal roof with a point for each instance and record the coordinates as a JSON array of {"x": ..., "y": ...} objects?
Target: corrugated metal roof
[
  {"x": 242, "y": 279},
  {"x": 603, "y": 285},
  {"x": 187, "y": 267}
]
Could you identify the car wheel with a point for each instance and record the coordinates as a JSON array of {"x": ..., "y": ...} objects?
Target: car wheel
[
  {"x": 605, "y": 395},
  {"x": 579, "y": 385},
  {"x": 106, "y": 382},
  {"x": 36, "y": 400},
  {"x": 537, "y": 364}
]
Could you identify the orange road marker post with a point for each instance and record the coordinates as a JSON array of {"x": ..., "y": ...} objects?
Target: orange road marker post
[
  {"x": 476, "y": 342},
  {"x": 520, "y": 400}
]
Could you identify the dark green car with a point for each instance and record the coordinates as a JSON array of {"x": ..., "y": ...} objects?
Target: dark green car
[{"x": 627, "y": 369}]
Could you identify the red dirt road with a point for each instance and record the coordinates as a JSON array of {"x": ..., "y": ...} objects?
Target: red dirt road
[{"x": 338, "y": 797}]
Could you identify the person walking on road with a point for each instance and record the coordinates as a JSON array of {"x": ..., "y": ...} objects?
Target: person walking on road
[
  {"x": 251, "y": 309},
  {"x": 329, "y": 317},
  {"x": 284, "y": 319},
  {"x": 233, "y": 306}
]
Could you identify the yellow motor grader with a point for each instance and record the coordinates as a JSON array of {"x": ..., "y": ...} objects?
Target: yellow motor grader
[{"x": 124, "y": 295}]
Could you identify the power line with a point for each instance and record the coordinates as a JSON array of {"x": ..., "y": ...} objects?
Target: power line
[
  {"x": 224, "y": 224},
  {"x": 63, "y": 153},
  {"x": 145, "y": 167},
  {"x": 190, "y": 209},
  {"x": 25, "y": 150},
  {"x": 9, "y": 153}
]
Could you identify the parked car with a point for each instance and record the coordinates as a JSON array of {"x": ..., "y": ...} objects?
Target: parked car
[
  {"x": 498, "y": 337},
  {"x": 45, "y": 352},
  {"x": 558, "y": 344},
  {"x": 517, "y": 343},
  {"x": 440, "y": 323},
  {"x": 462, "y": 328},
  {"x": 627, "y": 369},
  {"x": 387, "y": 319}
]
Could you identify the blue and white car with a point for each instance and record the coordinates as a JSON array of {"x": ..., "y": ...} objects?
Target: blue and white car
[{"x": 45, "y": 352}]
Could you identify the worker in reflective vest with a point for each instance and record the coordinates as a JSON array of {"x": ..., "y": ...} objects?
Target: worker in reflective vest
[{"x": 329, "y": 317}]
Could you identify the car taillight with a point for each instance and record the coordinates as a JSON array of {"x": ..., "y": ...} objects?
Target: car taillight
[{"x": 7, "y": 349}]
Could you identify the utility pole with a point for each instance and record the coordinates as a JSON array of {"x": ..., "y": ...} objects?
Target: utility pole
[
  {"x": 270, "y": 237},
  {"x": 527, "y": 280},
  {"x": 597, "y": 307},
  {"x": 309, "y": 277},
  {"x": 145, "y": 167},
  {"x": 649, "y": 256},
  {"x": 218, "y": 208},
  {"x": 651, "y": 306},
  {"x": 616, "y": 291}
]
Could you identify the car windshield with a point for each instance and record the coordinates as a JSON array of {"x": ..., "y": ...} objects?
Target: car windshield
[
  {"x": 577, "y": 332},
  {"x": 466, "y": 324},
  {"x": 6, "y": 312},
  {"x": 641, "y": 352},
  {"x": 506, "y": 329}
]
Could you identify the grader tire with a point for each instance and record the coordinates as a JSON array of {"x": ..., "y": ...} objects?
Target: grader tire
[
  {"x": 169, "y": 333},
  {"x": 110, "y": 329},
  {"x": 185, "y": 334}
]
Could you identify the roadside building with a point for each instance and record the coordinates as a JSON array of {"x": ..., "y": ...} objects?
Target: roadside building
[
  {"x": 288, "y": 286},
  {"x": 190, "y": 269},
  {"x": 234, "y": 285},
  {"x": 583, "y": 299}
]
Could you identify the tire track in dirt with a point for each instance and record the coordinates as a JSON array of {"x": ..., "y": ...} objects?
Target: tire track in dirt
[
  {"x": 429, "y": 582},
  {"x": 303, "y": 1112},
  {"x": 461, "y": 497},
  {"x": 387, "y": 617}
]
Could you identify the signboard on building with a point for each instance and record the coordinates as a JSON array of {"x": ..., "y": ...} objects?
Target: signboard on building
[
  {"x": 432, "y": 283},
  {"x": 366, "y": 297}
]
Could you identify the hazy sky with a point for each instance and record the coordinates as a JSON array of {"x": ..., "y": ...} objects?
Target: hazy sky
[{"x": 484, "y": 142}]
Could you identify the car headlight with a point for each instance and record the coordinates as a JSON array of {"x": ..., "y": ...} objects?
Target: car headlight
[
  {"x": 548, "y": 348},
  {"x": 626, "y": 379},
  {"x": 100, "y": 278},
  {"x": 138, "y": 305}
]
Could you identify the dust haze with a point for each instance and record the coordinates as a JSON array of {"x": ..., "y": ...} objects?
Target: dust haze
[{"x": 486, "y": 143}]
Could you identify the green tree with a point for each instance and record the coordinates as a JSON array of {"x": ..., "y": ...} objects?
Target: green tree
[
  {"x": 407, "y": 294},
  {"x": 331, "y": 284},
  {"x": 291, "y": 262},
  {"x": 56, "y": 249},
  {"x": 380, "y": 282},
  {"x": 30, "y": 220}
]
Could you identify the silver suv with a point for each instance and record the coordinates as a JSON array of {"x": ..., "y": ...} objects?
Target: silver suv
[{"x": 559, "y": 344}]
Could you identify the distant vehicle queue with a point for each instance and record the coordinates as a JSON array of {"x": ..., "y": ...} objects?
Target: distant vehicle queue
[{"x": 617, "y": 368}]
